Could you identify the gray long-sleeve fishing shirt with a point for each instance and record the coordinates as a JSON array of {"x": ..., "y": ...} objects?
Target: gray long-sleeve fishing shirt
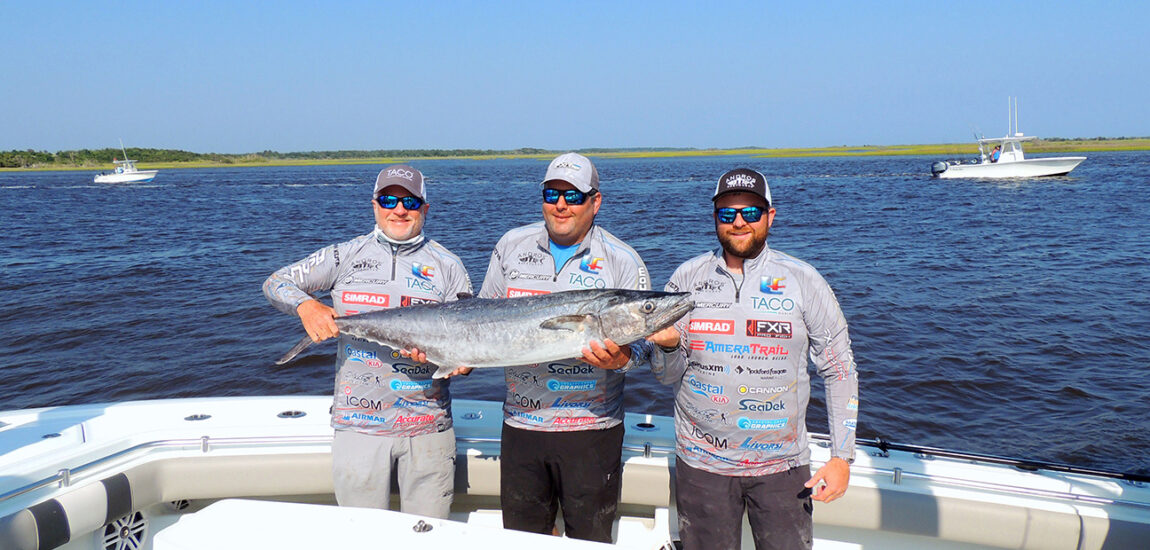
[
  {"x": 376, "y": 390},
  {"x": 740, "y": 373}
]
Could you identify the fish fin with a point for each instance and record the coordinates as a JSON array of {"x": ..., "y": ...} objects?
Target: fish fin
[
  {"x": 443, "y": 372},
  {"x": 573, "y": 323},
  {"x": 302, "y": 345}
]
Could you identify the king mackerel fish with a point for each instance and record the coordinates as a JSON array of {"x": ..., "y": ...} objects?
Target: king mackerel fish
[{"x": 479, "y": 332}]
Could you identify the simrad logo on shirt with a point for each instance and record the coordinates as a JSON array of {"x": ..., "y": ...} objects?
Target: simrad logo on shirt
[
  {"x": 711, "y": 326},
  {"x": 365, "y": 298}
]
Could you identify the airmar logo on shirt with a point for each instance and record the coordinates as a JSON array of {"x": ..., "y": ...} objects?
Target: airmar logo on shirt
[
  {"x": 711, "y": 326},
  {"x": 365, "y": 298}
]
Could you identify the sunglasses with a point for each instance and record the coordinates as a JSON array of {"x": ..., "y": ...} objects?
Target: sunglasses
[
  {"x": 751, "y": 214},
  {"x": 572, "y": 196},
  {"x": 390, "y": 201}
]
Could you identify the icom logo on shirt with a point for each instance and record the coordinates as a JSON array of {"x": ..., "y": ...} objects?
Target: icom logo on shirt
[
  {"x": 711, "y": 326},
  {"x": 768, "y": 329}
]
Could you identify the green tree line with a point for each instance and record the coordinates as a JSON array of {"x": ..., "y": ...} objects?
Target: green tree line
[{"x": 96, "y": 157}]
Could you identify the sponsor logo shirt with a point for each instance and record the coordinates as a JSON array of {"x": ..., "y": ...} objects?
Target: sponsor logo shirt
[
  {"x": 564, "y": 395},
  {"x": 742, "y": 385},
  {"x": 377, "y": 391}
]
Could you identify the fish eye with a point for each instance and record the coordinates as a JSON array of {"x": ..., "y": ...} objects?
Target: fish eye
[{"x": 648, "y": 307}]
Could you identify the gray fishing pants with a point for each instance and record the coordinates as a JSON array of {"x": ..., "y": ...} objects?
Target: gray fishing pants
[{"x": 425, "y": 467}]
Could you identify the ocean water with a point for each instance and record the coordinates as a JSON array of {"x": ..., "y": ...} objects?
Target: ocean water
[{"x": 999, "y": 317}]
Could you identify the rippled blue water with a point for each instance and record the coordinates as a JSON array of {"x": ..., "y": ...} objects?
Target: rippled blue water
[{"x": 1007, "y": 318}]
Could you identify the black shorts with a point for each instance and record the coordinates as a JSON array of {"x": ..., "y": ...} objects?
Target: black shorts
[
  {"x": 711, "y": 508},
  {"x": 581, "y": 470}
]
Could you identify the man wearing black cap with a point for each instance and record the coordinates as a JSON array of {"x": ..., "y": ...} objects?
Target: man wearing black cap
[
  {"x": 388, "y": 411},
  {"x": 739, "y": 362},
  {"x": 563, "y": 421}
]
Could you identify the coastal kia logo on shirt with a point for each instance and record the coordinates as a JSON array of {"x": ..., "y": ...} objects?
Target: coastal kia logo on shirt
[
  {"x": 365, "y": 298},
  {"x": 768, "y": 329},
  {"x": 772, "y": 285},
  {"x": 592, "y": 264},
  {"x": 424, "y": 272},
  {"x": 711, "y": 326}
]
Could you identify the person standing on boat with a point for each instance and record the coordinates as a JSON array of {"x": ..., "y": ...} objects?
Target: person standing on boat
[
  {"x": 563, "y": 421},
  {"x": 388, "y": 411},
  {"x": 739, "y": 365},
  {"x": 995, "y": 153}
]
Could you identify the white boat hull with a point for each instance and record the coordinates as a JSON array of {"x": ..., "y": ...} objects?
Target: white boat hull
[
  {"x": 1026, "y": 168},
  {"x": 139, "y": 176},
  {"x": 218, "y": 473}
]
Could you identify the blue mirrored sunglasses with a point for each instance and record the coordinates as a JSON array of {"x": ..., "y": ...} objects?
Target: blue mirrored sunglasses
[
  {"x": 390, "y": 201},
  {"x": 751, "y": 214},
  {"x": 572, "y": 196}
]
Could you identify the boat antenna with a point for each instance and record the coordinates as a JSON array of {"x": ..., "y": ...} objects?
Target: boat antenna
[{"x": 122, "y": 150}]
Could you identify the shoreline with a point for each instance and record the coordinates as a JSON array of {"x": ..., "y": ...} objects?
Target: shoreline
[{"x": 946, "y": 150}]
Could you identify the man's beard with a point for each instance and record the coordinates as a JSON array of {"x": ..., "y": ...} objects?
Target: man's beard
[{"x": 748, "y": 249}]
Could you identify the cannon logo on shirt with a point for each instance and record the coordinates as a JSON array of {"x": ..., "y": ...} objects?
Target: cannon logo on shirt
[
  {"x": 768, "y": 329},
  {"x": 772, "y": 285},
  {"x": 711, "y": 326},
  {"x": 365, "y": 298}
]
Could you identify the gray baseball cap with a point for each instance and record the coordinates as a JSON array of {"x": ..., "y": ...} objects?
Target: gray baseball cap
[
  {"x": 404, "y": 176},
  {"x": 744, "y": 180},
  {"x": 575, "y": 169}
]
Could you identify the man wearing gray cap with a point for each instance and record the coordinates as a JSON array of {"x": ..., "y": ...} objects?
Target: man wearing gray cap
[
  {"x": 563, "y": 421},
  {"x": 388, "y": 411},
  {"x": 739, "y": 364}
]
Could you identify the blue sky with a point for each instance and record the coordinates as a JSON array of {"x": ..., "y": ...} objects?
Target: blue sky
[{"x": 236, "y": 77}]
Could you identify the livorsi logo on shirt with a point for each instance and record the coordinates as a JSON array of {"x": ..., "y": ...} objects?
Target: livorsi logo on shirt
[{"x": 768, "y": 329}]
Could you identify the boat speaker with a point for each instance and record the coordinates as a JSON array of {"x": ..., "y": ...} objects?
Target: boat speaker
[{"x": 127, "y": 533}]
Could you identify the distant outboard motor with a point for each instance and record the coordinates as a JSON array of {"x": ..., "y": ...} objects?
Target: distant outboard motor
[{"x": 937, "y": 168}]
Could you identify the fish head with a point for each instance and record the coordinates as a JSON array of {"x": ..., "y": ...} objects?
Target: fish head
[{"x": 628, "y": 315}]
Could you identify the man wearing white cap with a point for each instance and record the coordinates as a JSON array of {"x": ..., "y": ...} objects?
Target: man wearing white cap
[
  {"x": 388, "y": 411},
  {"x": 563, "y": 421},
  {"x": 739, "y": 364}
]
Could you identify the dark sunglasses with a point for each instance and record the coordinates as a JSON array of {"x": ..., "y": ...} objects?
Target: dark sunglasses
[
  {"x": 751, "y": 214},
  {"x": 390, "y": 201},
  {"x": 572, "y": 196}
]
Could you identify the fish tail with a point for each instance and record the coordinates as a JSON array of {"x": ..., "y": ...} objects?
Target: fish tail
[{"x": 302, "y": 345}]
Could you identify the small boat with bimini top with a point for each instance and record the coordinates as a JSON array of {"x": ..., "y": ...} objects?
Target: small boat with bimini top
[
  {"x": 255, "y": 472},
  {"x": 125, "y": 172},
  {"x": 1003, "y": 158}
]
